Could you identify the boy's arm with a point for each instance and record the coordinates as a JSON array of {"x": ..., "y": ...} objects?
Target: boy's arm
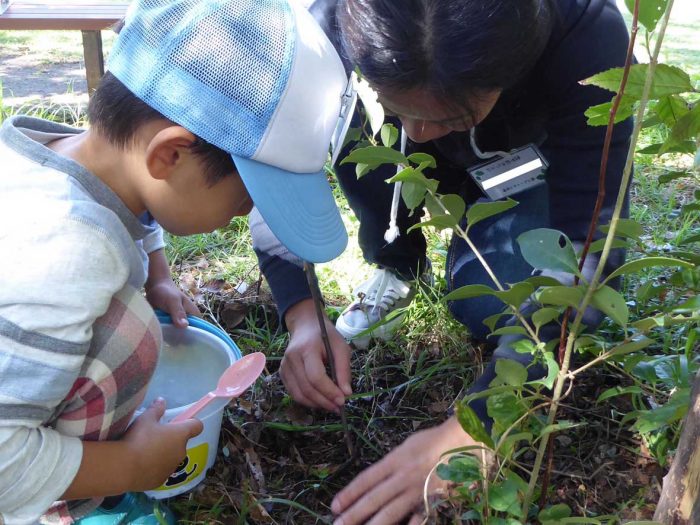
[{"x": 142, "y": 460}]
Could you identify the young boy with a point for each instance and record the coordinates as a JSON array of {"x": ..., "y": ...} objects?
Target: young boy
[{"x": 207, "y": 108}]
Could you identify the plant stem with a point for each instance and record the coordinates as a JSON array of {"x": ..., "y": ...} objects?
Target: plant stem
[
  {"x": 626, "y": 176},
  {"x": 311, "y": 278},
  {"x": 463, "y": 234}
]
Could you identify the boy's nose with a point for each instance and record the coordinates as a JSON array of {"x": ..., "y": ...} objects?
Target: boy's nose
[{"x": 422, "y": 130}]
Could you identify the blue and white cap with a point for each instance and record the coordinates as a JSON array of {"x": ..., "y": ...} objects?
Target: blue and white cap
[{"x": 259, "y": 79}]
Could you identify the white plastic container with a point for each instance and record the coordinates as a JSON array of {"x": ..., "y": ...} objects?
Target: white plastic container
[{"x": 189, "y": 366}]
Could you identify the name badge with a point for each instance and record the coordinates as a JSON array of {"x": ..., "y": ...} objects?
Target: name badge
[{"x": 520, "y": 170}]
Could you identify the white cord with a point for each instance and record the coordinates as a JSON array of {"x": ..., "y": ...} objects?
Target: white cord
[
  {"x": 483, "y": 154},
  {"x": 393, "y": 232}
]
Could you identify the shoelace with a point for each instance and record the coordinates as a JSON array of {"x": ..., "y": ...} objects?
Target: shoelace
[{"x": 383, "y": 285}]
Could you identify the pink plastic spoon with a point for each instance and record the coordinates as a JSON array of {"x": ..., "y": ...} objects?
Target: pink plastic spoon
[{"x": 232, "y": 383}]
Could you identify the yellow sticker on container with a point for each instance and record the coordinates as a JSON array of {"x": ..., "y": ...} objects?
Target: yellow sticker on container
[{"x": 189, "y": 468}]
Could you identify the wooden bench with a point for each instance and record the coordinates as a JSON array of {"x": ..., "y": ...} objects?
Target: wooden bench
[{"x": 89, "y": 17}]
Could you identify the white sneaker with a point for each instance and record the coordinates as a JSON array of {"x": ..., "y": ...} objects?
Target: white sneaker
[{"x": 380, "y": 295}]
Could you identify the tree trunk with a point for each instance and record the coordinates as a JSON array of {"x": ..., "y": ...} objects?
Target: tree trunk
[{"x": 679, "y": 503}]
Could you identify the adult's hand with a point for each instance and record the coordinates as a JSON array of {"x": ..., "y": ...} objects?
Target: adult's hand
[
  {"x": 392, "y": 488},
  {"x": 303, "y": 368}
]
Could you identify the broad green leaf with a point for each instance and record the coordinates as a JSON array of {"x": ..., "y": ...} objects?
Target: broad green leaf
[
  {"x": 672, "y": 175},
  {"x": 441, "y": 222},
  {"x": 597, "y": 246},
  {"x": 483, "y": 210},
  {"x": 687, "y": 146},
  {"x": 649, "y": 323},
  {"x": 552, "y": 371},
  {"x": 516, "y": 295},
  {"x": 422, "y": 159},
  {"x": 373, "y": 109},
  {"x": 389, "y": 135},
  {"x": 491, "y": 320},
  {"x": 689, "y": 306},
  {"x": 561, "y": 296},
  {"x": 687, "y": 128},
  {"x": 505, "y": 496},
  {"x": 618, "y": 391},
  {"x": 412, "y": 175},
  {"x": 455, "y": 205},
  {"x": 375, "y": 156},
  {"x": 632, "y": 346},
  {"x": 472, "y": 425},
  {"x": 671, "y": 108},
  {"x": 511, "y": 372},
  {"x": 611, "y": 303},
  {"x": 647, "y": 262},
  {"x": 509, "y": 330},
  {"x": 600, "y": 115},
  {"x": 625, "y": 228},
  {"x": 542, "y": 280},
  {"x": 586, "y": 342},
  {"x": 544, "y": 315},
  {"x": 468, "y": 291},
  {"x": 650, "y": 11},
  {"x": 547, "y": 249},
  {"x": 413, "y": 194},
  {"x": 555, "y": 512},
  {"x": 668, "y": 80},
  {"x": 460, "y": 469},
  {"x": 674, "y": 410},
  {"x": 504, "y": 409},
  {"x": 361, "y": 169},
  {"x": 524, "y": 346}
]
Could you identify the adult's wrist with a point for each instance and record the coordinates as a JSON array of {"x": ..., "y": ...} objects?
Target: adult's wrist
[{"x": 300, "y": 315}]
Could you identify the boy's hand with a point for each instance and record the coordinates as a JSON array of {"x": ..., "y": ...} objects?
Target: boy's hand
[
  {"x": 303, "y": 368},
  {"x": 157, "y": 448},
  {"x": 167, "y": 296}
]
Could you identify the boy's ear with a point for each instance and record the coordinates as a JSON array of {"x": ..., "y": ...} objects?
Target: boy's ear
[{"x": 165, "y": 150}]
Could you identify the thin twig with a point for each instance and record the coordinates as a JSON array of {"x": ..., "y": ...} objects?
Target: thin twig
[{"x": 311, "y": 278}]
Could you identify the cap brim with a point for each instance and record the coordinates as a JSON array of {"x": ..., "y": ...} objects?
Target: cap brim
[{"x": 299, "y": 208}]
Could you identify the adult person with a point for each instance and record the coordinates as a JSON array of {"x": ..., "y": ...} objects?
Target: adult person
[{"x": 464, "y": 78}]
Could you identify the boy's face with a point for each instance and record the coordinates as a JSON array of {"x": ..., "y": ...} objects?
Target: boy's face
[{"x": 178, "y": 194}]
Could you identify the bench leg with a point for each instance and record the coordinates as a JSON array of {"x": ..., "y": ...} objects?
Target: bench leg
[{"x": 94, "y": 60}]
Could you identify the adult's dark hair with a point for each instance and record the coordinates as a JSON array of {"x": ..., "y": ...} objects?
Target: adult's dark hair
[
  {"x": 117, "y": 114},
  {"x": 456, "y": 49}
]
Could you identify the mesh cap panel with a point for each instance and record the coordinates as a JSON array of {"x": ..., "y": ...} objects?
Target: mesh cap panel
[{"x": 210, "y": 66}]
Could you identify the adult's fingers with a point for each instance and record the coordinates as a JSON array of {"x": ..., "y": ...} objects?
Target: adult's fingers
[
  {"x": 393, "y": 512},
  {"x": 371, "y": 503},
  {"x": 364, "y": 482},
  {"x": 315, "y": 372},
  {"x": 293, "y": 373}
]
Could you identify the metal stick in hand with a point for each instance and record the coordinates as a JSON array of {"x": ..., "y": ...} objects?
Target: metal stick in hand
[{"x": 318, "y": 303}]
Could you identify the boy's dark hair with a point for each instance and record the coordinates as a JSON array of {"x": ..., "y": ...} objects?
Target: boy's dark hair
[
  {"x": 456, "y": 49},
  {"x": 117, "y": 114}
]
